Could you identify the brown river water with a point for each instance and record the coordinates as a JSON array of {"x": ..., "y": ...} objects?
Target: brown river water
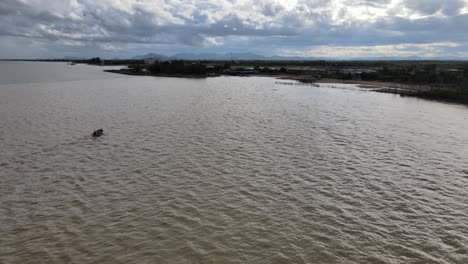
[{"x": 225, "y": 170}]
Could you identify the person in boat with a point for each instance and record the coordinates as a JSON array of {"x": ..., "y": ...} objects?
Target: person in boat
[{"x": 98, "y": 133}]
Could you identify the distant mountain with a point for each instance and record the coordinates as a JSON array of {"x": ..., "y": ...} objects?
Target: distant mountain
[
  {"x": 150, "y": 56},
  {"x": 253, "y": 56},
  {"x": 218, "y": 56}
]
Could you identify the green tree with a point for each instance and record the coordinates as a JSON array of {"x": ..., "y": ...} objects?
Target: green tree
[{"x": 95, "y": 60}]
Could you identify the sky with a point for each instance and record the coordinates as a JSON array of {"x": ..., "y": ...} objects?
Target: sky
[{"x": 310, "y": 28}]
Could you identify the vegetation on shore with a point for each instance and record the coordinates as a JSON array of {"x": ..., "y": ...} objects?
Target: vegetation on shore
[{"x": 445, "y": 80}]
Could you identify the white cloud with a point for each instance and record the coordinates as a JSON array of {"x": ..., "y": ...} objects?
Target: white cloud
[
  {"x": 423, "y": 50},
  {"x": 212, "y": 41},
  {"x": 265, "y": 25}
]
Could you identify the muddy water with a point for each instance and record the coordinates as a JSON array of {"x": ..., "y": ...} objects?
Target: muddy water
[{"x": 225, "y": 170}]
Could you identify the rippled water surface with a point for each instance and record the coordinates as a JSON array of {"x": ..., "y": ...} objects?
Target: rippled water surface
[{"x": 225, "y": 170}]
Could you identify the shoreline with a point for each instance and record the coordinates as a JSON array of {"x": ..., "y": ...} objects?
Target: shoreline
[
  {"x": 430, "y": 92},
  {"x": 176, "y": 75}
]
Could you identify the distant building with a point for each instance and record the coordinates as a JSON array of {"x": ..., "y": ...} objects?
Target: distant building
[{"x": 150, "y": 61}]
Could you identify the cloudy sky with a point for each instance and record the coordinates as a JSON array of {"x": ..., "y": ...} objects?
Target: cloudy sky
[{"x": 315, "y": 28}]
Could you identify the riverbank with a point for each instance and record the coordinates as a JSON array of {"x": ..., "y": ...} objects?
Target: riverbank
[
  {"x": 432, "y": 92},
  {"x": 174, "y": 75}
]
